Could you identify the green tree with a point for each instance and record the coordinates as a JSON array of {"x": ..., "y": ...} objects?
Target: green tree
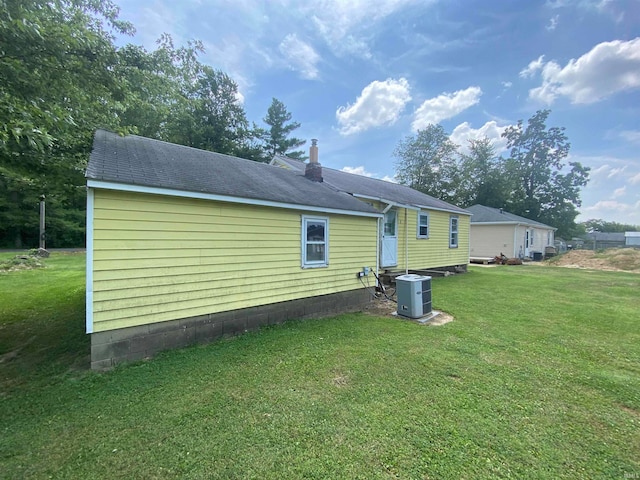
[
  {"x": 599, "y": 225},
  {"x": 427, "y": 161},
  {"x": 172, "y": 96},
  {"x": 546, "y": 188},
  {"x": 277, "y": 136},
  {"x": 56, "y": 63},
  {"x": 482, "y": 176}
]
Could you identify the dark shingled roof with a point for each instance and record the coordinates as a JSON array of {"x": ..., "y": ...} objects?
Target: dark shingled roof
[
  {"x": 135, "y": 160},
  {"x": 373, "y": 187},
  {"x": 482, "y": 214}
]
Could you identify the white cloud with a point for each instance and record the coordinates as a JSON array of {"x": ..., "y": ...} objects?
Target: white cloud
[
  {"x": 619, "y": 192},
  {"x": 357, "y": 171},
  {"x": 444, "y": 106},
  {"x": 507, "y": 84},
  {"x": 635, "y": 179},
  {"x": 611, "y": 8},
  {"x": 553, "y": 23},
  {"x": 346, "y": 25},
  {"x": 631, "y": 136},
  {"x": 464, "y": 132},
  {"x": 300, "y": 56},
  {"x": 604, "y": 172},
  {"x": 361, "y": 170},
  {"x": 532, "y": 68},
  {"x": 613, "y": 210},
  {"x": 380, "y": 103},
  {"x": 608, "y": 68}
]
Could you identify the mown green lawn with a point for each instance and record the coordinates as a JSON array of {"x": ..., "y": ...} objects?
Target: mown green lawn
[{"x": 537, "y": 377}]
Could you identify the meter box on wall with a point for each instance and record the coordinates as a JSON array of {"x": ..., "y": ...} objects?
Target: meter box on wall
[{"x": 414, "y": 295}]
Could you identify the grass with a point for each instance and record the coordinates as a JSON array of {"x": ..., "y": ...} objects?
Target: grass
[
  {"x": 538, "y": 377},
  {"x": 42, "y": 321}
]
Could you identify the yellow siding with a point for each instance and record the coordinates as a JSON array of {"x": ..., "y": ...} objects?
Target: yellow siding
[
  {"x": 158, "y": 258},
  {"x": 432, "y": 252}
]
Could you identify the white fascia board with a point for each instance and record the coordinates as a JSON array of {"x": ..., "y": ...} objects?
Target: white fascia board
[
  {"x": 524, "y": 224},
  {"x": 446, "y": 210},
  {"x": 502, "y": 223},
  {"x": 89, "y": 260},
  {"x": 123, "y": 187},
  {"x": 410, "y": 207},
  {"x": 388, "y": 202}
]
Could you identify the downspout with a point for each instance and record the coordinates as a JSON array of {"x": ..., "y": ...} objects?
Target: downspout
[{"x": 406, "y": 242}]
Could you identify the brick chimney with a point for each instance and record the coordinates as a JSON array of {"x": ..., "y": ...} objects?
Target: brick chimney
[{"x": 313, "y": 171}]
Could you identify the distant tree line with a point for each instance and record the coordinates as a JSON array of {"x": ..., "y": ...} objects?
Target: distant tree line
[
  {"x": 599, "y": 225},
  {"x": 62, "y": 77},
  {"x": 534, "y": 180}
]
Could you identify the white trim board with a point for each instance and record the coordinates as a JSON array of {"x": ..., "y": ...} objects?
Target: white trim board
[
  {"x": 89, "y": 273},
  {"x": 122, "y": 187}
]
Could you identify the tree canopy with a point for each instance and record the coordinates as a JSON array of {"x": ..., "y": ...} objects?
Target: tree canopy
[
  {"x": 56, "y": 64},
  {"x": 535, "y": 181},
  {"x": 277, "y": 136},
  {"x": 599, "y": 225},
  {"x": 63, "y": 77},
  {"x": 427, "y": 161},
  {"x": 545, "y": 187}
]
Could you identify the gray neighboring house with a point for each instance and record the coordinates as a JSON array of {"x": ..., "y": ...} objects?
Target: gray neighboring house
[
  {"x": 600, "y": 240},
  {"x": 495, "y": 231}
]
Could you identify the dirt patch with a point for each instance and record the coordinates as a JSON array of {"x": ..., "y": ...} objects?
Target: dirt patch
[
  {"x": 613, "y": 259},
  {"x": 383, "y": 307}
]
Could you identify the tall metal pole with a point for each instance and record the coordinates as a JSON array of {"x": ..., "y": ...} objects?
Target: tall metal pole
[{"x": 42, "y": 230}]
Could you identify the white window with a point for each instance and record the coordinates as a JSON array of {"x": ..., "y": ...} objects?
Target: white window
[
  {"x": 315, "y": 242},
  {"x": 453, "y": 232},
  {"x": 423, "y": 225}
]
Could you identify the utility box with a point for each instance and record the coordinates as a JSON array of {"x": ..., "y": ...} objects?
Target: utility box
[{"x": 414, "y": 295}]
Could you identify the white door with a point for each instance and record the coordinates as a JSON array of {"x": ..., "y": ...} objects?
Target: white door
[
  {"x": 390, "y": 240},
  {"x": 527, "y": 239}
]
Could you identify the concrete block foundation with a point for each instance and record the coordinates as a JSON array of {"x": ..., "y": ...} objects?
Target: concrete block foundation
[{"x": 136, "y": 343}]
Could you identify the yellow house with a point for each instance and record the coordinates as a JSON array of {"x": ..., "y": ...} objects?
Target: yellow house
[
  {"x": 185, "y": 246},
  {"x": 417, "y": 233}
]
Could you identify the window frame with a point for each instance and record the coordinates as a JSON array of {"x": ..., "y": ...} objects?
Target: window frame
[
  {"x": 422, "y": 213},
  {"x": 305, "y": 220},
  {"x": 452, "y": 232}
]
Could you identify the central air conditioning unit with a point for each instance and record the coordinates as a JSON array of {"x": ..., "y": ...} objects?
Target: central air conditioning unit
[{"x": 414, "y": 295}]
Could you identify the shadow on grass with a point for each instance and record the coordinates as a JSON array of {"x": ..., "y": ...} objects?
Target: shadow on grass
[{"x": 42, "y": 325}]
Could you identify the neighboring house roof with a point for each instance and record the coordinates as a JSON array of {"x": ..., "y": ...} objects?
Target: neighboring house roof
[
  {"x": 140, "y": 161},
  {"x": 489, "y": 215},
  {"x": 632, "y": 234},
  {"x": 372, "y": 188}
]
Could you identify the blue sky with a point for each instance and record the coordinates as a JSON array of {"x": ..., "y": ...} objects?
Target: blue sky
[{"x": 361, "y": 75}]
